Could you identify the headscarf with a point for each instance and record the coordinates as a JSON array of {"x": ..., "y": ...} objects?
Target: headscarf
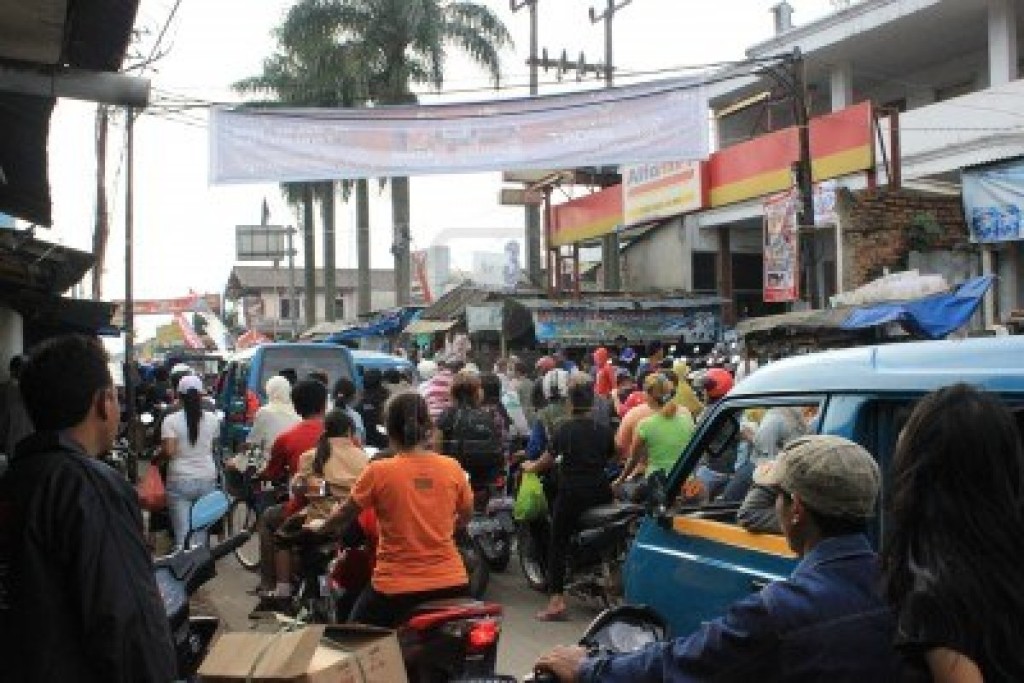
[
  {"x": 279, "y": 394},
  {"x": 685, "y": 396}
]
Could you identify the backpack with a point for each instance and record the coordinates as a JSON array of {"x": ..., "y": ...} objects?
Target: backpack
[{"x": 476, "y": 444}]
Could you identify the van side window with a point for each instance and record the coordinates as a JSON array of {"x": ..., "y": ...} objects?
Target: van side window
[{"x": 739, "y": 440}]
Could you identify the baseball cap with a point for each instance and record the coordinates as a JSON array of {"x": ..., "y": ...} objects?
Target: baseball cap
[
  {"x": 190, "y": 383},
  {"x": 832, "y": 475}
]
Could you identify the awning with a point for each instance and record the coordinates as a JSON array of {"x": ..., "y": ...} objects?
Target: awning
[
  {"x": 386, "y": 324},
  {"x": 429, "y": 326},
  {"x": 90, "y": 35}
]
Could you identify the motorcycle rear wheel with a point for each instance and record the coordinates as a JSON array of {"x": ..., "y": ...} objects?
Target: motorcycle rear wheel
[
  {"x": 241, "y": 517},
  {"x": 529, "y": 561},
  {"x": 476, "y": 567}
]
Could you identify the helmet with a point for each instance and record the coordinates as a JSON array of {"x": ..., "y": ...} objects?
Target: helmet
[
  {"x": 426, "y": 369},
  {"x": 556, "y": 384},
  {"x": 545, "y": 364},
  {"x": 717, "y": 382}
]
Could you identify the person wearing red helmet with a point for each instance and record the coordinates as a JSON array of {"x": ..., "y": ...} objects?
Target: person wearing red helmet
[
  {"x": 717, "y": 383},
  {"x": 544, "y": 365}
]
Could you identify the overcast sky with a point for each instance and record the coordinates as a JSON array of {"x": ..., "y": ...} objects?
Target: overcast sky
[{"x": 184, "y": 228}]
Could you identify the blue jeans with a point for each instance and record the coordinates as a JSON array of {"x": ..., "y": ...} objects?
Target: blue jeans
[{"x": 181, "y": 493}]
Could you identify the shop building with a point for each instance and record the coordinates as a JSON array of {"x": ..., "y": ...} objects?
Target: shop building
[{"x": 905, "y": 97}]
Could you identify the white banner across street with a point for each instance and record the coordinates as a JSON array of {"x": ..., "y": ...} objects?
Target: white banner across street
[{"x": 658, "y": 121}]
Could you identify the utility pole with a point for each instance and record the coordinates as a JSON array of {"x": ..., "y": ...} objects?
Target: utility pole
[
  {"x": 805, "y": 177},
  {"x": 532, "y": 212},
  {"x": 129, "y": 297},
  {"x": 610, "y": 242},
  {"x": 101, "y": 232}
]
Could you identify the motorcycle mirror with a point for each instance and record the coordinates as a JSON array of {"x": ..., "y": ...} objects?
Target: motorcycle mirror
[
  {"x": 623, "y": 629},
  {"x": 208, "y": 510},
  {"x": 146, "y": 418}
]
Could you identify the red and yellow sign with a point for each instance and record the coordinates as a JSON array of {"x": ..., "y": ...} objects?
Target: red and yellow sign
[
  {"x": 586, "y": 218},
  {"x": 841, "y": 143}
]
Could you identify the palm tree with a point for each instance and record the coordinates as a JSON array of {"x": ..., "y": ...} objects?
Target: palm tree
[
  {"x": 401, "y": 44},
  {"x": 310, "y": 68}
]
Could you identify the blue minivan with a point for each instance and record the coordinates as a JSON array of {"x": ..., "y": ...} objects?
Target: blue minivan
[
  {"x": 690, "y": 562},
  {"x": 242, "y": 386}
]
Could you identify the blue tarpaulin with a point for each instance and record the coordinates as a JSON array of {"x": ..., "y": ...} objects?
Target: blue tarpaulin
[
  {"x": 931, "y": 317},
  {"x": 387, "y": 324}
]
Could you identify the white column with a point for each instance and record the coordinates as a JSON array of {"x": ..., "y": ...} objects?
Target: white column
[
  {"x": 1002, "y": 41},
  {"x": 841, "y": 80},
  {"x": 989, "y": 304}
]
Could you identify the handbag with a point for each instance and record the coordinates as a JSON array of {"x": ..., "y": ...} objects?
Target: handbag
[
  {"x": 152, "y": 494},
  {"x": 530, "y": 501}
]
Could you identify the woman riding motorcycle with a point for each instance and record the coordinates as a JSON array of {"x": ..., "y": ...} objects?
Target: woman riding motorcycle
[{"x": 419, "y": 498}]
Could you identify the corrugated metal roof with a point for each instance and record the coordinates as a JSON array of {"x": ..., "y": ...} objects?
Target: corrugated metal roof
[{"x": 268, "y": 277}]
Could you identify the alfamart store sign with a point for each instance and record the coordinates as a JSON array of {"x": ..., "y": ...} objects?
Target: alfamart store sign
[{"x": 652, "y": 192}]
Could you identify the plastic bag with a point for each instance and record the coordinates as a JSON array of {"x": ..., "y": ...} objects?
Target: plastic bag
[
  {"x": 152, "y": 495},
  {"x": 530, "y": 501}
]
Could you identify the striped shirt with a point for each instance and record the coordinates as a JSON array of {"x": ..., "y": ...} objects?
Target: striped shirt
[{"x": 437, "y": 392}]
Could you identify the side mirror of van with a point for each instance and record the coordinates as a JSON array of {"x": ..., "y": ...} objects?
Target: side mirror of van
[{"x": 656, "y": 495}]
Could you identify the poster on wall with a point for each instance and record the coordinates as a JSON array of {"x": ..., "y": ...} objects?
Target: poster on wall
[
  {"x": 781, "y": 249},
  {"x": 994, "y": 202}
]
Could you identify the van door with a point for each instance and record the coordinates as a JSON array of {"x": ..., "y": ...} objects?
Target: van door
[{"x": 695, "y": 559}]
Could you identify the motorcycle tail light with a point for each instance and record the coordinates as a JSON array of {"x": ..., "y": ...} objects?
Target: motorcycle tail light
[{"x": 483, "y": 634}]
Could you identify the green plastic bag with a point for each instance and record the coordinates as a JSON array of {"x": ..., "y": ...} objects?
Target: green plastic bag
[{"x": 530, "y": 501}]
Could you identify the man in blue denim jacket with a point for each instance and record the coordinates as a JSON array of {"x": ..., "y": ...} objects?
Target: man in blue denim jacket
[{"x": 827, "y": 622}]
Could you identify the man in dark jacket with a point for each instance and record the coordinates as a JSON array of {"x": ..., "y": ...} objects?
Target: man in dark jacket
[
  {"x": 78, "y": 601},
  {"x": 826, "y": 622}
]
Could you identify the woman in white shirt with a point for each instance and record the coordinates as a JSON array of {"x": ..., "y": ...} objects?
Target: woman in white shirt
[{"x": 188, "y": 436}]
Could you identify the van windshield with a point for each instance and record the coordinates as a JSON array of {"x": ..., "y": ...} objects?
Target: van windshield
[{"x": 304, "y": 360}]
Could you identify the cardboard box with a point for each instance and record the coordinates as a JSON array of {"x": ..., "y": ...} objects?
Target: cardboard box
[{"x": 306, "y": 654}]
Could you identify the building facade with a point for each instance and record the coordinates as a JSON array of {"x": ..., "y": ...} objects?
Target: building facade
[
  {"x": 260, "y": 294},
  {"x": 950, "y": 71}
]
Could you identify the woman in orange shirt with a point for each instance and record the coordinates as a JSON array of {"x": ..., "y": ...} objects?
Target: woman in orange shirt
[{"x": 419, "y": 498}]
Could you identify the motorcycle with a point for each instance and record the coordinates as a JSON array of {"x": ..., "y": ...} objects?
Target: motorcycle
[
  {"x": 492, "y": 527},
  {"x": 595, "y": 556},
  {"x": 179, "y": 575},
  {"x": 619, "y": 630},
  {"x": 440, "y": 641}
]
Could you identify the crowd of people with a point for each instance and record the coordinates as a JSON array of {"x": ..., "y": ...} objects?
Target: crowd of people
[{"x": 940, "y": 603}]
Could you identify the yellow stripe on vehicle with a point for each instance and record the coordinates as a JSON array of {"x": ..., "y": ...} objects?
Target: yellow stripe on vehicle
[{"x": 730, "y": 534}]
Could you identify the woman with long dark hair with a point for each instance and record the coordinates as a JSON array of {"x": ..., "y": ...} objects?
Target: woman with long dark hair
[
  {"x": 954, "y": 551},
  {"x": 419, "y": 498},
  {"x": 188, "y": 436},
  {"x": 332, "y": 467}
]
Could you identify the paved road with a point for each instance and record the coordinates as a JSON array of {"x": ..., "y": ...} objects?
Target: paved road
[{"x": 523, "y": 638}]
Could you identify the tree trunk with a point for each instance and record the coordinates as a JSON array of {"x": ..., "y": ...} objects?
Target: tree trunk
[
  {"x": 308, "y": 255},
  {"x": 330, "y": 285},
  {"x": 101, "y": 231},
  {"x": 363, "y": 244},
  {"x": 400, "y": 218}
]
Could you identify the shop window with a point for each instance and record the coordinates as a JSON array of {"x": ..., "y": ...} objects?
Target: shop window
[
  {"x": 748, "y": 271},
  {"x": 705, "y": 271},
  {"x": 286, "y": 309}
]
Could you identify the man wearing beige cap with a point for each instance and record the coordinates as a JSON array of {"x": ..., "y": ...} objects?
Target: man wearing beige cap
[{"x": 827, "y": 621}]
